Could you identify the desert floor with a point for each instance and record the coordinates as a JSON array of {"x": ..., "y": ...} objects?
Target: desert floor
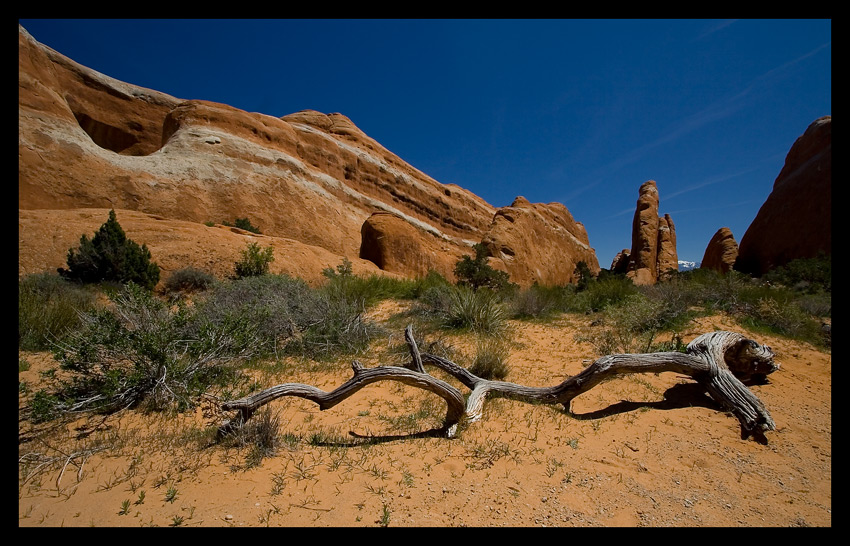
[{"x": 641, "y": 450}]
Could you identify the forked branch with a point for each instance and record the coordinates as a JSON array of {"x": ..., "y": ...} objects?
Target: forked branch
[{"x": 717, "y": 360}]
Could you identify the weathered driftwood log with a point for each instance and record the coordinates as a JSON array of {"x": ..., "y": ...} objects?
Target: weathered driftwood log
[{"x": 717, "y": 360}]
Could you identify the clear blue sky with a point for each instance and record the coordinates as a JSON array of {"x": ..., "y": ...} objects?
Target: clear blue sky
[{"x": 576, "y": 111}]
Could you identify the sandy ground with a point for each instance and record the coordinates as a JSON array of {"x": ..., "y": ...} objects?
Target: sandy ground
[{"x": 642, "y": 450}]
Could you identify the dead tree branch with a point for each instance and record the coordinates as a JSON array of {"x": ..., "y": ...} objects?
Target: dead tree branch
[{"x": 717, "y": 360}]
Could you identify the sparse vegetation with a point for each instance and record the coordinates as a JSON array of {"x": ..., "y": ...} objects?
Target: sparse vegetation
[
  {"x": 476, "y": 273},
  {"x": 188, "y": 280},
  {"x": 49, "y": 308},
  {"x": 491, "y": 358},
  {"x": 142, "y": 350},
  {"x": 480, "y": 311},
  {"x": 243, "y": 223},
  {"x": 139, "y": 351}
]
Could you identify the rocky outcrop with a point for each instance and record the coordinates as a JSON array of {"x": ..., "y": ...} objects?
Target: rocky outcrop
[
  {"x": 653, "y": 252},
  {"x": 620, "y": 263},
  {"x": 721, "y": 252},
  {"x": 89, "y": 141},
  {"x": 796, "y": 219},
  {"x": 44, "y": 237},
  {"x": 536, "y": 242},
  {"x": 397, "y": 246},
  {"x": 667, "y": 260}
]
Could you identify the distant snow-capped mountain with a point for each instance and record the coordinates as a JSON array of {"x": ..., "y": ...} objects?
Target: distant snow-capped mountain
[{"x": 687, "y": 266}]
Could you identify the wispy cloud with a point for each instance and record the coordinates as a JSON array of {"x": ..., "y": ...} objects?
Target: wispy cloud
[
  {"x": 709, "y": 182},
  {"x": 622, "y": 213},
  {"x": 720, "y": 109},
  {"x": 717, "y": 27},
  {"x": 719, "y": 207}
]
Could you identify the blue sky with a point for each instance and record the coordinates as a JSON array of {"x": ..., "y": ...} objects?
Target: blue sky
[{"x": 576, "y": 111}]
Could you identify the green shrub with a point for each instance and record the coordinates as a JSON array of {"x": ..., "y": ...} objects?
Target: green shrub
[
  {"x": 141, "y": 351},
  {"x": 111, "y": 256},
  {"x": 285, "y": 314},
  {"x": 366, "y": 291},
  {"x": 784, "y": 317},
  {"x": 255, "y": 261},
  {"x": 539, "y": 301},
  {"x": 429, "y": 282},
  {"x": 49, "y": 308},
  {"x": 478, "y": 310},
  {"x": 266, "y": 310},
  {"x": 477, "y": 273},
  {"x": 583, "y": 274},
  {"x": 807, "y": 275},
  {"x": 243, "y": 223},
  {"x": 188, "y": 279},
  {"x": 606, "y": 291}
]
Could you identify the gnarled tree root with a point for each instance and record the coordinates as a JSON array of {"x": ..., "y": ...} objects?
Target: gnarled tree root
[{"x": 718, "y": 360}]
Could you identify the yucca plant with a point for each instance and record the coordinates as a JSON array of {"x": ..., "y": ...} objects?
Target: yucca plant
[{"x": 478, "y": 310}]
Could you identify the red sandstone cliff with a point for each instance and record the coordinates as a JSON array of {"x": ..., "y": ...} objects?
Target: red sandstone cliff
[
  {"x": 796, "y": 219},
  {"x": 88, "y": 141}
]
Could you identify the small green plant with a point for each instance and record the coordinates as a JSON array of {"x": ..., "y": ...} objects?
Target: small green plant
[
  {"x": 261, "y": 434},
  {"x": 255, "y": 261},
  {"x": 141, "y": 499},
  {"x": 44, "y": 406},
  {"x": 125, "y": 508},
  {"x": 171, "y": 494},
  {"x": 111, "y": 256},
  {"x": 176, "y": 521},
  {"x": 385, "y": 516}
]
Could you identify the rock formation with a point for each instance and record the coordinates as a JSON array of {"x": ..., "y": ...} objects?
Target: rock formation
[
  {"x": 721, "y": 252},
  {"x": 537, "y": 242},
  {"x": 397, "y": 246},
  {"x": 795, "y": 221},
  {"x": 653, "y": 252},
  {"x": 46, "y": 235},
  {"x": 668, "y": 258},
  {"x": 89, "y": 141},
  {"x": 620, "y": 263}
]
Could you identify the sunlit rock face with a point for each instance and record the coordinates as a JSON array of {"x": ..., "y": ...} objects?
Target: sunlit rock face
[{"x": 88, "y": 141}]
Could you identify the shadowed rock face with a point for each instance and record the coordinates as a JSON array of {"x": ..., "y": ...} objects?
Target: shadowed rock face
[
  {"x": 89, "y": 141},
  {"x": 796, "y": 219},
  {"x": 721, "y": 252}
]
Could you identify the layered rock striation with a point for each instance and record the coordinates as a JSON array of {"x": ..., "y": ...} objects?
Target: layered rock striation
[
  {"x": 536, "y": 242},
  {"x": 88, "y": 141}
]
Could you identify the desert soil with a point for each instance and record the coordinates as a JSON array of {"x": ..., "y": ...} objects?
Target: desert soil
[{"x": 641, "y": 450}]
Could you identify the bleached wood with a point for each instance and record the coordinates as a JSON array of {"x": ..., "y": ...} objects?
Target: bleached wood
[{"x": 713, "y": 360}]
